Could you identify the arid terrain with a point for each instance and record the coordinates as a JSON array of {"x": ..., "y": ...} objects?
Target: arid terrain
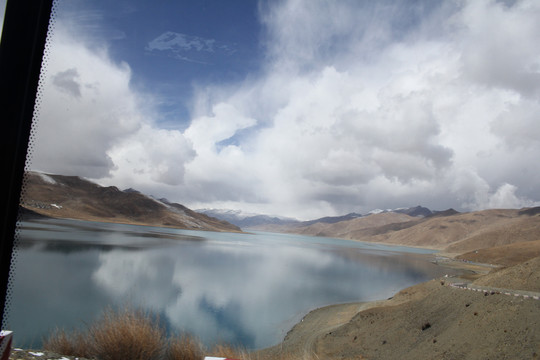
[
  {"x": 448, "y": 231},
  {"x": 491, "y": 311},
  {"x": 495, "y": 316},
  {"x": 490, "y": 318},
  {"x": 72, "y": 197}
]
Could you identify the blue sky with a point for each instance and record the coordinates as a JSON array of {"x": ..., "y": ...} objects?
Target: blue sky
[
  {"x": 301, "y": 108},
  {"x": 173, "y": 46}
]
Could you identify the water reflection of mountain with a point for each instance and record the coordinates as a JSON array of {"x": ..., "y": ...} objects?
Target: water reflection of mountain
[
  {"x": 65, "y": 247},
  {"x": 67, "y": 236},
  {"x": 413, "y": 264}
]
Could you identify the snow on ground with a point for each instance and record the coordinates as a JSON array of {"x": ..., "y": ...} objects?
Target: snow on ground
[{"x": 46, "y": 178}]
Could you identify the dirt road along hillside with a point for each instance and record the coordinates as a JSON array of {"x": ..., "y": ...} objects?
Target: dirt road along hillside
[{"x": 433, "y": 320}]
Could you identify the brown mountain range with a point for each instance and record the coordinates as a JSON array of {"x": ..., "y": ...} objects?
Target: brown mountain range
[
  {"x": 72, "y": 197},
  {"x": 426, "y": 321},
  {"x": 450, "y": 231},
  {"x": 470, "y": 233}
]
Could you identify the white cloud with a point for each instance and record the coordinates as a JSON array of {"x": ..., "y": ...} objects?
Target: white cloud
[
  {"x": 91, "y": 122},
  {"x": 400, "y": 124},
  {"x": 189, "y": 47},
  {"x": 85, "y": 106},
  {"x": 503, "y": 198},
  {"x": 499, "y": 48},
  {"x": 359, "y": 106},
  {"x": 518, "y": 125},
  {"x": 153, "y": 156}
]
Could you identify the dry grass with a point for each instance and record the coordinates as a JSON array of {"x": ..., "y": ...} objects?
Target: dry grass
[
  {"x": 185, "y": 347},
  {"x": 73, "y": 344},
  {"x": 136, "y": 335},
  {"x": 127, "y": 334}
]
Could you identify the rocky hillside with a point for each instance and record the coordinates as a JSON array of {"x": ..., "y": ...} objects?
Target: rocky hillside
[
  {"x": 343, "y": 229},
  {"x": 460, "y": 233},
  {"x": 448, "y": 230},
  {"x": 76, "y": 198}
]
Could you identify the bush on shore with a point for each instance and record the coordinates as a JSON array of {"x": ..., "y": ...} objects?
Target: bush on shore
[
  {"x": 184, "y": 347},
  {"x": 74, "y": 343},
  {"x": 135, "y": 335}
]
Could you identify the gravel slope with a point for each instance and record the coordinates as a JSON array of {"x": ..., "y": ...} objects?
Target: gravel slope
[{"x": 428, "y": 321}]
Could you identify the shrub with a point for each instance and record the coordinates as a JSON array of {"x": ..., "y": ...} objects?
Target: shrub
[
  {"x": 128, "y": 334},
  {"x": 131, "y": 334},
  {"x": 74, "y": 344},
  {"x": 185, "y": 347}
]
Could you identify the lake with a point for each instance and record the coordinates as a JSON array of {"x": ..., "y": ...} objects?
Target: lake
[{"x": 247, "y": 289}]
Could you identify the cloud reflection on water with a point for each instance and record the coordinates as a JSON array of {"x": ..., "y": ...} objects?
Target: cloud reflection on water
[
  {"x": 244, "y": 288},
  {"x": 250, "y": 294}
]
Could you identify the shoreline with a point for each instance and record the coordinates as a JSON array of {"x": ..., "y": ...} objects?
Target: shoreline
[
  {"x": 330, "y": 331},
  {"x": 39, "y": 216},
  {"x": 426, "y": 247},
  {"x": 420, "y": 322},
  {"x": 301, "y": 338}
]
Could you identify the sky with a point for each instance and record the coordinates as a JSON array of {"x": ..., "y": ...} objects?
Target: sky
[{"x": 298, "y": 108}]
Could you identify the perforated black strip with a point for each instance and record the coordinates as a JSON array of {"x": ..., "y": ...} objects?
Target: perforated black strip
[{"x": 21, "y": 51}]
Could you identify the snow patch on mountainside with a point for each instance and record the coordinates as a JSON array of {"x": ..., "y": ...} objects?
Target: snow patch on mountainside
[{"x": 46, "y": 178}]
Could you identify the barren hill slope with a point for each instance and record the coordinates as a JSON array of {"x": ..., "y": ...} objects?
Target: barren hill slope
[
  {"x": 449, "y": 230},
  {"x": 443, "y": 323},
  {"x": 467, "y": 231},
  {"x": 344, "y": 229},
  {"x": 348, "y": 229},
  {"x": 72, "y": 197},
  {"x": 514, "y": 226},
  {"x": 522, "y": 276},
  {"x": 505, "y": 255},
  {"x": 431, "y": 320}
]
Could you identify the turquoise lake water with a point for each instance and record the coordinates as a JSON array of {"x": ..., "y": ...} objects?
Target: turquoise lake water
[{"x": 247, "y": 289}]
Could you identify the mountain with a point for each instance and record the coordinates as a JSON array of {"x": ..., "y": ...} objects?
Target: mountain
[
  {"x": 448, "y": 212},
  {"x": 332, "y": 219},
  {"x": 73, "y": 197},
  {"x": 416, "y": 211},
  {"x": 246, "y": 220},
  {"x": 284, "y": 224},
  {"x": 447, "y": 230},
  {"x": 347, "y": 229}
]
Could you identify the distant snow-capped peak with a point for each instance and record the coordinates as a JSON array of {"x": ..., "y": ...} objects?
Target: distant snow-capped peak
[{"x": 239, "y": 214}]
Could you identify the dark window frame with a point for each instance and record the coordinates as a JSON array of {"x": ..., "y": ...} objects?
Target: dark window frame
[{"x": 22, "y": 47}]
